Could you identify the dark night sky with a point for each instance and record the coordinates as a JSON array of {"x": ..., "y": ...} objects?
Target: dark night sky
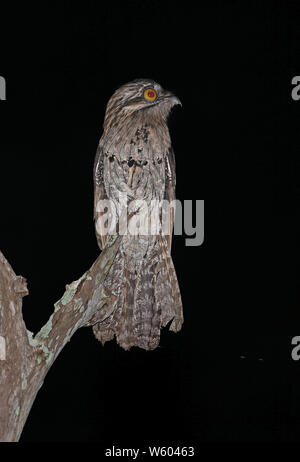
[{"x": 236, "y": 141}]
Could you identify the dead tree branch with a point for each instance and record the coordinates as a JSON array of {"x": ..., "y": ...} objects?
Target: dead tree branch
[{"x": 25, "y": 359}]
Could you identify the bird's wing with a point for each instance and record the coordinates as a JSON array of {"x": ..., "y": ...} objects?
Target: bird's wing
[
  {"x": 99, "y": 194},
  {"x": 170, "y": 192}
]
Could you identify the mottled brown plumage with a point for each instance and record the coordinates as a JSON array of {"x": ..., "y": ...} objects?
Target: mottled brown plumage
[{"x": 135, "y": 161}]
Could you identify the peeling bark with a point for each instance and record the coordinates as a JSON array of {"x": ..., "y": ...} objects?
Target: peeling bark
[{"x": 25, "y": 359}]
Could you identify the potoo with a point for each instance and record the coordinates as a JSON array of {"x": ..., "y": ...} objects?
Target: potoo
[{"x": 134, "y": 195}]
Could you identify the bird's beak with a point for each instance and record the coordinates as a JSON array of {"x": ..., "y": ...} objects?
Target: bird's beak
[{"x": 171, "y": 97}]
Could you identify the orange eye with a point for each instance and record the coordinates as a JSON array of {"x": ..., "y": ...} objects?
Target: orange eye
[{"x": 150, "y": 94}]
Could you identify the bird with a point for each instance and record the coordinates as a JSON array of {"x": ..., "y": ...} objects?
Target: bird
[{"x": 134, "y": 168}]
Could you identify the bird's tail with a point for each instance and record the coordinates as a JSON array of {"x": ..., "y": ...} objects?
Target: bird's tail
[{"x": 144, "y": 295}]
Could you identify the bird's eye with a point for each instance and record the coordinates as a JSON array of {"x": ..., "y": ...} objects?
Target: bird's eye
[{"x": 150, "y": 94}]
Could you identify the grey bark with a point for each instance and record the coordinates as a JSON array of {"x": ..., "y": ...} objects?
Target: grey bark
[{"x": 25, "y": 359}]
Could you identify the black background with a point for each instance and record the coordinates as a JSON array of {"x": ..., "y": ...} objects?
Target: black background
[{"x": 228, "y": 376}]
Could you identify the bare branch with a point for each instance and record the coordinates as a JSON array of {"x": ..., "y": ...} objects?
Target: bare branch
[{"x": 24, "y": 359}]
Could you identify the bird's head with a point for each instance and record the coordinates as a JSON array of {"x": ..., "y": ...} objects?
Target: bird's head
[{"x": 141, "y": 96}]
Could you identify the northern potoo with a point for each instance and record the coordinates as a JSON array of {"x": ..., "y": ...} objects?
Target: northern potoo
[{"x": 135, "y": 170}]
